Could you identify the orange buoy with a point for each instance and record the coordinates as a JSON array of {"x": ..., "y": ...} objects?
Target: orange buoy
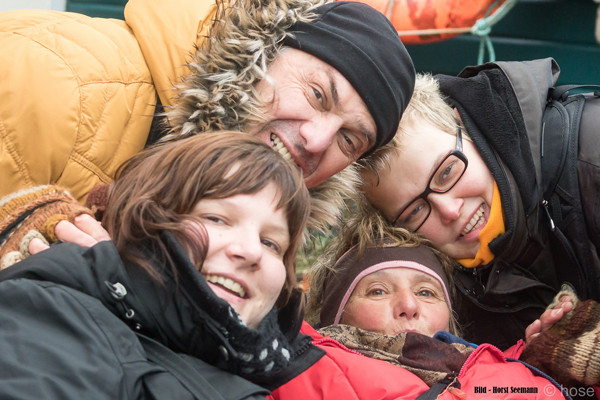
[{"x": 425, "y": 21}]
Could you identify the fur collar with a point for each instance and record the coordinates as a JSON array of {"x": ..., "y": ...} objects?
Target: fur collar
[{"x": 219, "y": 93}]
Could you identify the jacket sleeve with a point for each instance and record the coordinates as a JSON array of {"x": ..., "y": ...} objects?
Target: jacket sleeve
[
  {"x": 170, "y": 38},
  {"x": 76, "y": 99},
  {"x": 515, "y": 350},
  {"x": 51, "y": 347},
  {"x": 487, "y": 374}
]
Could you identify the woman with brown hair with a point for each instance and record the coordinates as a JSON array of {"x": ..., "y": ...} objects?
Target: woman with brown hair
[{"x": 205, "y": 232}]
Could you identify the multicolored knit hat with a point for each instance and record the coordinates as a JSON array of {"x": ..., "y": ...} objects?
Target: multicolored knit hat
[{"x": 33, "y": 213}]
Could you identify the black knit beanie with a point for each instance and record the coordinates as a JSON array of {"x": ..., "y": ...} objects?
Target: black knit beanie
[{"x": 363, "y": 45}]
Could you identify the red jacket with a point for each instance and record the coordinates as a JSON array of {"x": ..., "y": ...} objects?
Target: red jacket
[
  {"x": 345, "y": 374},
  {"x": 487, "y": 375}
]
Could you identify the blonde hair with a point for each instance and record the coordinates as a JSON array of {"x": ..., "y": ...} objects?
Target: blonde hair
[
  {"x": 365, "y": 225},
  {"x": 363, "y": 228},
  {"x": 426, "y": 104}
]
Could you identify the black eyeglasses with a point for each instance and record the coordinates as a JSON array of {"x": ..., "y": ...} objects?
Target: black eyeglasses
[{"x": 445, "y": 176}]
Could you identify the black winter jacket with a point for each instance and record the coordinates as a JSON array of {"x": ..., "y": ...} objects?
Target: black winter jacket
[
  {"x": 501, "y": 105},
  {"x": 67, "y": 331}
]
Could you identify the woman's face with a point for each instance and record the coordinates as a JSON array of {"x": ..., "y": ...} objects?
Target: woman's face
[
  {"x": 457, "y": 216},
  {"x": 247, "y": 239},
  {"x": 395, "y": 300}
]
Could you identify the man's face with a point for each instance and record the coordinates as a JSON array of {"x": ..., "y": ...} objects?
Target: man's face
[{"x": 313, "y": 115}]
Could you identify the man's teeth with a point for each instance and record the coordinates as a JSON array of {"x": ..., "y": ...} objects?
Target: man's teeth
[
  {"x": 475, "y": 222},
  {"x": 227, "y": 284},
  {"x": 278, "y": 145}
]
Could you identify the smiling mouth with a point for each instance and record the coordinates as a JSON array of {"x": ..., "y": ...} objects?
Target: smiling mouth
[
  {"x": 227, "y": 284},
  {"x": 475, "y": 222},
  {"x": 278, "y": 146}
]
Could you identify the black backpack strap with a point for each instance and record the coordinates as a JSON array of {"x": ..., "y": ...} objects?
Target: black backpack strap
[
  {"x": 555, "y": 145},
  {"x": 560, "y": 131},
  {"x": 180, "y": 368},
  {"x": 560, "y": 186},
  {"x": 563, "y": 91},
  {"x": 437, "y": 388}
]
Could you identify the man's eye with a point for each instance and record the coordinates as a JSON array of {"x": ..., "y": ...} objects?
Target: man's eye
[
  {"x": 350, "y": 145},
  {"x": 318, "y": 95},
  {"x": 350, "y": 142},
  {"x": 376, "y": 292}
]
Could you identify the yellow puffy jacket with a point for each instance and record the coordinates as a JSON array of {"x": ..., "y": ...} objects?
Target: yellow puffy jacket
[{"x": 77, "y": 94}]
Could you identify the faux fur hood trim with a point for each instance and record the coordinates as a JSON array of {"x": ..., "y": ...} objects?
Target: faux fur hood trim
[
  {"x": 219, "y": 92},
  {"x": 244, "y": 39}
]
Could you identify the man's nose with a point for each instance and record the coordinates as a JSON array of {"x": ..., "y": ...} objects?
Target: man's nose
[
  {"x": 245, "y": 248},
  {"x": 446, "y": 206},
  {"x": 319, "y": 133}
]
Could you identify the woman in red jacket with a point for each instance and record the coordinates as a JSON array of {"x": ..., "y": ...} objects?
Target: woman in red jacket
[{"x": 386, "y": 301}]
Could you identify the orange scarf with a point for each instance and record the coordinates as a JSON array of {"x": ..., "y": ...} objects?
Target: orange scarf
[{"x": 493, "y": 229}]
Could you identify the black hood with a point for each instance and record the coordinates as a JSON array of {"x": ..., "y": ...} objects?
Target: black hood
[{"x": 491, "y": 113}]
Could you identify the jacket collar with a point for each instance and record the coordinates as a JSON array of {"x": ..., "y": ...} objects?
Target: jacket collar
[{"x": 191, "y": 319}]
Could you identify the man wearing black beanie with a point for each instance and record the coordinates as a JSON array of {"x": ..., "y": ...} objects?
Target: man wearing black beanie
[
  {"x": 322, "y": 83},
  {"x": 364, "y": 47}
]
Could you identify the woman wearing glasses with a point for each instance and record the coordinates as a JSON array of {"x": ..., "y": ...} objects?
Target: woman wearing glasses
[{"x": 460, "y": 173}]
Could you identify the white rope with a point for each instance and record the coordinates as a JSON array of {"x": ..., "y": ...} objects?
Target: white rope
[
  {"x": 481, "y": 28},
  {"x": 435, "y": 31}
]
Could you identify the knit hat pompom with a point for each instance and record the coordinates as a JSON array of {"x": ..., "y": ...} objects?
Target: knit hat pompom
[
  {"x": 33, "y": 213},
  {"x": 363, "y": 45}
]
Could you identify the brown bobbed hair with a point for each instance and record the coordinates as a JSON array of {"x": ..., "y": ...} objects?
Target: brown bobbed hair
[{"x": 157, "y": 189}]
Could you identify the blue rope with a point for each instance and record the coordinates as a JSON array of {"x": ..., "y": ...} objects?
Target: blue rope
[{"x": 483, "y": 28}]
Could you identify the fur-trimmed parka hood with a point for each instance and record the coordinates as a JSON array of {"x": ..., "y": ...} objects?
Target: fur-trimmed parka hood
[{"x": 219, "y": 92}]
